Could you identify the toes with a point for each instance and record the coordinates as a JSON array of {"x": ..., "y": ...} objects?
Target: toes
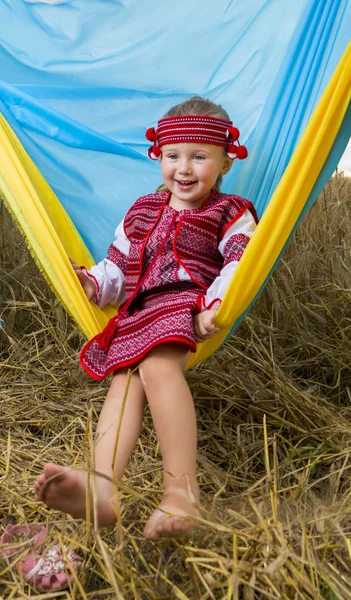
[
  {"x": 153, "y": 532},
  {"x": 39, "y": 485},
  {"x": 186, "y": 527},
  {"x": 150, "y": 532},
  {"x": 168, "y": 527},
  {"x": 175, "y": 526},
  {"x": 40, "y": 480},
  {"x": 171, "y": 519},
  {"x": 52, "y": 470}
]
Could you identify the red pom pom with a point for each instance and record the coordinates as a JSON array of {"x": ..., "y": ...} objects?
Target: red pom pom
[
  {"x": 231, "y": 151},
  {"x": 233, "y": 134},
  {"x": 154, "y": 152},
  {"x": 241, "y": 153},
  {"x": 150, "y": 134}
]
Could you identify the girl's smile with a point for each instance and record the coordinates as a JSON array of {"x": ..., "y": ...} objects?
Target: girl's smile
[
  {"x": 186, "y": 183},
  {"x": 190, "y": 171}
]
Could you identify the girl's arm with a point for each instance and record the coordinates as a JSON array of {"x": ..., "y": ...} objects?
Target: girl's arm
[
  {"x": 231, "y": 247},
  {"x": 108, "y": 275}
]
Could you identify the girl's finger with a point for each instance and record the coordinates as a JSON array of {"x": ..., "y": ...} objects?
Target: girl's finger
[
  {"x": 206, "y": 336},
  {"x": 201, "y": 338},
  {"x": 203, "y": 329},
  {"x": 211, "y": 327},
  {"x": 197, "y": 330},
  {"x": 204, "y": 333}
]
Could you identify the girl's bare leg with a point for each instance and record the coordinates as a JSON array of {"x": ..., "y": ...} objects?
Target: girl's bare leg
[
  {"x": 173, "y": 413},
  {"x": 67, "y": 491}
]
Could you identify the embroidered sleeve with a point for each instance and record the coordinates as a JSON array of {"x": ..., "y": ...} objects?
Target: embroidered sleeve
[
  {"x": 232, "y": 247},
  {"x": 109, "y": 274}
]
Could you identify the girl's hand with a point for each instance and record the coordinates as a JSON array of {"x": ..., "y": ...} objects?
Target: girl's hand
[
  {"x": 204, "y": 326},
  {"x": 87, "y": 284}
]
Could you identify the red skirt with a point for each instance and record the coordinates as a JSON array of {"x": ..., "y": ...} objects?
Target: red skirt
[{"x": 155, "y": 319}]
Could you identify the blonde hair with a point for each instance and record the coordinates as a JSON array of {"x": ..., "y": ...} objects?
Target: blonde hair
[{"x": 197, "y": 106}]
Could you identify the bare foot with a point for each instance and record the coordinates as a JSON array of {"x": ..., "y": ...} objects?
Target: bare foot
[
  {"x": 168, "y": 519},
  {"x": 67, "y": 492}
]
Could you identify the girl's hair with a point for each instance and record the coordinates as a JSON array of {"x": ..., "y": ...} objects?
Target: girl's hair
[{"x": 197, "y": 106}]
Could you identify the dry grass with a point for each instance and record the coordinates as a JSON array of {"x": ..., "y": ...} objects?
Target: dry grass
[{"x": 274, "y": 435}]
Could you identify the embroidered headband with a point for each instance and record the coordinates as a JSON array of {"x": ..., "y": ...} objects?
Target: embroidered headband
[{"x": 192, "y": 128}]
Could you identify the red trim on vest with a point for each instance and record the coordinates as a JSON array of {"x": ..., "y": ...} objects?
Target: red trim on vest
[
  {"x": 111, "y": 328},
  {"x": 131, "y": 266},
  {"x": 228, "y": 225},
  {"x": 144, "y": 246}
]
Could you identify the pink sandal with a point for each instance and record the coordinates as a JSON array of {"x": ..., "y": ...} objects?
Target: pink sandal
[{"x": 48, "y": 571}]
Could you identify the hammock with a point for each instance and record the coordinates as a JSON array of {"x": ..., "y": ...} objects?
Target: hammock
[{"x": 81, "y": 82}]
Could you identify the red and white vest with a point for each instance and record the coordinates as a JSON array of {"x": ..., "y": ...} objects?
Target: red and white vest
[{"x": 196, "y": 230}]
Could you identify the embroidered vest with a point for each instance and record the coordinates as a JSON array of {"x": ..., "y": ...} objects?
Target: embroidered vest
[{"x": 196, "y": 239}]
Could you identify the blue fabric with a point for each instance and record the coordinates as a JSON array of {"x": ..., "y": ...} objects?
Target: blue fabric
[
  {"x": 82, "y": 81},
  {"x": 340, "y": 143}
]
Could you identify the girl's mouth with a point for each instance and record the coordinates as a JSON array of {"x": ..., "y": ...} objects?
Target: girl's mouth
[{"x": 185, "y": 184}]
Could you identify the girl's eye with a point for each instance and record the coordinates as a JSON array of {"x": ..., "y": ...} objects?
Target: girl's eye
[
  {"x": 199, "y": 157},
  {"x": 172, "y": 156}
]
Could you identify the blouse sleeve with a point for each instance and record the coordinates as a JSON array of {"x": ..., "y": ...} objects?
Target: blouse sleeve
[
  {"x": 109, "y": 274},
  {"x": 231, "y": 247}
]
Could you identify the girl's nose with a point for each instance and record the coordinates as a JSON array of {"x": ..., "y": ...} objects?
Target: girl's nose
[{"x": 184, "y": 167}]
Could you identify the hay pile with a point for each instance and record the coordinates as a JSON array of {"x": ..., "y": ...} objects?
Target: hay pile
[{"x": 274, "y": 414}]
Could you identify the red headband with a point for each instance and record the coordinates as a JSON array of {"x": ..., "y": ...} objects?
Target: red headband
[{"x": 210, "y": 130}]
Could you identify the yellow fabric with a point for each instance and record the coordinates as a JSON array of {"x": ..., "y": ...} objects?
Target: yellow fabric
[
  {"x": 52, "y": 236},
  {"x": 49, "y": 231},
  {"x": 285, "y": 205}
]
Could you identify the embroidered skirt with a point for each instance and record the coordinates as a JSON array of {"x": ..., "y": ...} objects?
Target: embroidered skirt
[{"x": 151, "y": 320}]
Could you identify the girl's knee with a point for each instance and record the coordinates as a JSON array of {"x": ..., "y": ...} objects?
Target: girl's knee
[
  {"x": 155, "y": 367},
  {"x": 120, "y": 380},
  {"x": 164, "y": 361}
]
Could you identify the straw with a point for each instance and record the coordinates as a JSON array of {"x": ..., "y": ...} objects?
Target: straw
[{"x": 274, "y": 419}]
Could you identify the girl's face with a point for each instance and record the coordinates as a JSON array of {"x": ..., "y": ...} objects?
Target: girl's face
[{"x": 190, "y": 171}]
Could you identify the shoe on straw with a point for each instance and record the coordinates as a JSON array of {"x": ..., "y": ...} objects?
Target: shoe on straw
[{"x": 44, "y": 570}]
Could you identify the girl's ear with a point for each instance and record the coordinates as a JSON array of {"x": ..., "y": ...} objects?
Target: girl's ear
[{"x": 227, "y": 165}]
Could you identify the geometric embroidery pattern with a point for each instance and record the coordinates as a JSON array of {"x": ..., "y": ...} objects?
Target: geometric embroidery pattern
[
  {"x": 234, "y": 248},
  {"x": 195, "y": 241},
  {"x": 164, "y": 306},
  {"x": 164, "y": 316},
  {"x": 118, "y": 258},
  {"x": 165, "y": 266}
]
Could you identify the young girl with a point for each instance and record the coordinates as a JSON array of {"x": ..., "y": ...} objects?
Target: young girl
[{"x": 173, "y": 257}]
